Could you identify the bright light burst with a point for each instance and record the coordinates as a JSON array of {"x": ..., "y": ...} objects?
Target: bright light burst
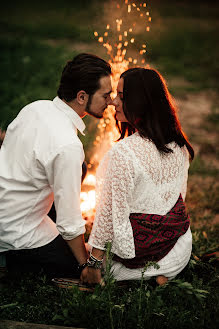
[{"x": 118, "y": 40}]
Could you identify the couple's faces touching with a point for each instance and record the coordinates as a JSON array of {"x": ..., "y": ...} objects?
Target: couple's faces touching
[
  {"x": 98, "y": 102},
  {"x": 118, "y": 102}
]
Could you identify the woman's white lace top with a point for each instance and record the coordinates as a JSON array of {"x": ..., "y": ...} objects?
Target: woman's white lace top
[{"x": 134, "y": 177}]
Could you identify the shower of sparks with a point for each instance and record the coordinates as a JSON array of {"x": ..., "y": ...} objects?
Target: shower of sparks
[
  {"x": 117, "y": 51},
  {"x": 117, "y": 48},
  {"x": 116, "y": 39}
]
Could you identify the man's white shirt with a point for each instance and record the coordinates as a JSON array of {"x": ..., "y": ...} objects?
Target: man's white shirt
[{"x": 41, "y": 160}]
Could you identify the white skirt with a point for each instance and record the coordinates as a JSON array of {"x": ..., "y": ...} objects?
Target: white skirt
[{"x": 171, "y": 265}]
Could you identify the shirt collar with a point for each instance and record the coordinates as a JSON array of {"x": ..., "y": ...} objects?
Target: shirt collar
[{"x": 76, "y": 120}]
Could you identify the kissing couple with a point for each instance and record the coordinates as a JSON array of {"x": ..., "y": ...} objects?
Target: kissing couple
[{"x": 141, "y": 181}]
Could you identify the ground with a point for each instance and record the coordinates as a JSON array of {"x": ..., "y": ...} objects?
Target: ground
[{"x": 183, "y": 45}]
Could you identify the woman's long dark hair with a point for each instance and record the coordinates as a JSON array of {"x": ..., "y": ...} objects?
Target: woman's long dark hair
[{"x": 149, "y": 109}]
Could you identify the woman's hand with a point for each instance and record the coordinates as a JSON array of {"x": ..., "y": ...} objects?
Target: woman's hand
[{"x": 91, "y": 275}]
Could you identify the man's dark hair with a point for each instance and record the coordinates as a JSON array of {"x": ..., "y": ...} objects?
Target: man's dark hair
[
  {"x": 149, "y": 109},
  {"x": 82, "y": 73}
]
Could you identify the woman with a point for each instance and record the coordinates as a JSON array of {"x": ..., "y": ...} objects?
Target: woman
[{"x": 141, "y": 185}]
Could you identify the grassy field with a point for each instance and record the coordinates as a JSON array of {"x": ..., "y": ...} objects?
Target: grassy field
[
  {"x": 190, "y": 301},
  {"x": 36, "y": 40},
  {"x": 183, "y": 42}
]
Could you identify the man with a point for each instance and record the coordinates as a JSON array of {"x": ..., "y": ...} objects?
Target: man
[{"x": 41, "y": 160}]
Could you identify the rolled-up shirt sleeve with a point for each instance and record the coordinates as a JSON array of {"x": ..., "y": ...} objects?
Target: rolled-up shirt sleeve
[{"x": 64, "y": 172}]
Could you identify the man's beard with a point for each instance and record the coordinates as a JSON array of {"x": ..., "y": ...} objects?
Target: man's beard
[{"x": 89, "y": 111}]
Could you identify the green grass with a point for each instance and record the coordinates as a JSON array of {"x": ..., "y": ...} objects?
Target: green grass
[
  {"x": 199, "y": 167},
  {"x": 30, "y": 68},
  {"x": 49, "y": 31},
  {"x": 202, "y": 201},
  {"x": 190, "y": 53},
  {"x": 178, "y": 45},
  {"x": 186, "y": 9},
  {"x": 213, "y": 119},
  {"x": 50, "y": 19},
  {"x": 32, "y": 71},
  {"x": 189, "y": 301},
  {"x": 183, "y": 42}
]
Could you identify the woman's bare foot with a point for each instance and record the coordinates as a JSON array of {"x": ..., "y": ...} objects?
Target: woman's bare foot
[{"x": 161, "y": 280}]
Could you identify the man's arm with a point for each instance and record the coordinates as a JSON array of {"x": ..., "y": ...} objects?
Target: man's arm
[
  {"x": 64, "y": 174},
  {"x": 64, "y": 171},
  {"x": 78, "y": 248}
]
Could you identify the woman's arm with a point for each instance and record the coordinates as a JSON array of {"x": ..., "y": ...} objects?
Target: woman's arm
[
  {"x": 115, "y": 193},
  {"x": 115, "y": 183},
  {"x": 92, "y": 275}
]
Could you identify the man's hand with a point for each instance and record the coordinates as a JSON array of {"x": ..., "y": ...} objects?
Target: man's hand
[{"x": 91, "y": 275}]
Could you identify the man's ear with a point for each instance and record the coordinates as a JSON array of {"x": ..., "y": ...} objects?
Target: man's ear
[{"x": 82, "y": 97}]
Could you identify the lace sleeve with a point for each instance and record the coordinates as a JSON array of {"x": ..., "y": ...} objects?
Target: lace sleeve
[{"x": 115, "y": 183}]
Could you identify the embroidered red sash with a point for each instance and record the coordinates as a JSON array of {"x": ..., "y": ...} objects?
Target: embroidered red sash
[{"x": 155, "y": 235}]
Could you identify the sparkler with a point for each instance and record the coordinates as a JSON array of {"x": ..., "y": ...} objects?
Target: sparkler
[{"x": 117, "y": 39}]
